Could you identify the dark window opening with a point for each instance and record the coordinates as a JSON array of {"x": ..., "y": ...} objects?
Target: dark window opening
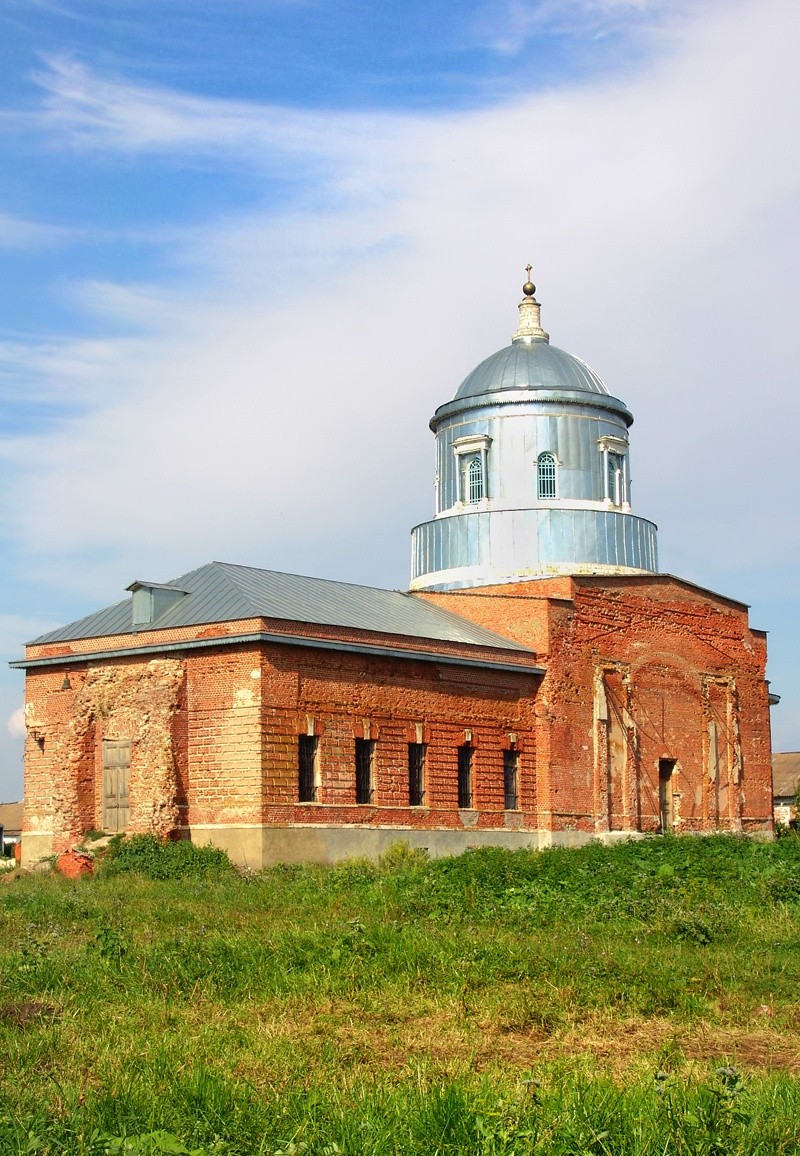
[
  {"x": 365, "y": 757},
  {"x": 465, "y": 777},
  {"x": 416, "y": 774},
  {"x": 666, "y": 768},
  {"x": 307, "y": 768},
  {"x": 510, "y": 780}
]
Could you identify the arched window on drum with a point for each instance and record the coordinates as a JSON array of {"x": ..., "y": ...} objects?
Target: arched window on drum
[
  {"x": 475, "y": 487},
  {"x": 546, "y": 476}
]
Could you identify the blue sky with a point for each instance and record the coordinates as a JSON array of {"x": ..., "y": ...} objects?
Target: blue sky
[{"x": 248, "y": 246}]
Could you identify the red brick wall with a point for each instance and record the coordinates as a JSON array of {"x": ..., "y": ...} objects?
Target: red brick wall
[
  {"x": 224, "y": 763},
  {"x": 347, "y": 696},
  {"x": 667, "y": 659},
  {"x": 638, "y": 670},
  {"x": 234, "y": 719}
]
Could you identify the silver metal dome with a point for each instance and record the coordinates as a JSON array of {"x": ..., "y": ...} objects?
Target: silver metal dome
[
  {"x": 536, "y": 365},
  {"x": 532, "y": 473}
]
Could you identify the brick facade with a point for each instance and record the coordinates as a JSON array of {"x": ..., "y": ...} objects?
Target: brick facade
[
  {"x": 641, "y": 671},
  {"x": 653, "y": 712}
]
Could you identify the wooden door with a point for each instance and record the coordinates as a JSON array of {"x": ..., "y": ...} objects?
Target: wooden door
[{"x": 116, "y": 772}]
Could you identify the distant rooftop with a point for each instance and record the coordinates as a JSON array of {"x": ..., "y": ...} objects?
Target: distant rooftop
[
  {"x": 11, "y": 817},
  {"x": 785, "y": 773}
]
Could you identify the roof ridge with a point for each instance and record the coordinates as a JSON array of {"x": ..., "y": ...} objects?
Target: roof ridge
[{"x": 310, "y": 577}]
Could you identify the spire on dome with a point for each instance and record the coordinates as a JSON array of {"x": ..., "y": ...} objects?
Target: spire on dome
[{"x": 530, "y": 328}]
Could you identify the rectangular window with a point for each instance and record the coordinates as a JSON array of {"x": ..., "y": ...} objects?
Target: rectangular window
[
  {"x": 510, "y": 780},
  {"x": 307, "y": 768},
  {"x": 616, "y": 479},
  {"x": 416, "y": 774},
  {"x": 365, "y": 770},
  {"x": 465, "y": 777}
]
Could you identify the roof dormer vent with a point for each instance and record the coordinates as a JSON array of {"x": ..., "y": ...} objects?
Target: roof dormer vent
[{"x": 151, "y": 600}]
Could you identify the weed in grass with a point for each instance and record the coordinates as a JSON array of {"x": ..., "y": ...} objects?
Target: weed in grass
[
  {"x": 155, "y": 859},
  {"x": 111, "y": 944}
]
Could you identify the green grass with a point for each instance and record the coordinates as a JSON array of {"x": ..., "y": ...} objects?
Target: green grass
[{"x": 638, "y": 999}]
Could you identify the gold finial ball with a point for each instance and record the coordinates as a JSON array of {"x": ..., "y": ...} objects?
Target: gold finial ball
[{"x": 529, "y": 288}]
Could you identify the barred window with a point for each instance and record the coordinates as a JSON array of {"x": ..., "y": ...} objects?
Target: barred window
[
  {"x": 546, "y": 475},
  {"x": 416, "y": 774},
  {"x": 465, "y": 777},
  {"x": 510, "y": 780},
  {"x": 475, "y": 480},
  {"x": 307, "y": 768},
  {"x": 365, "y": 770}
]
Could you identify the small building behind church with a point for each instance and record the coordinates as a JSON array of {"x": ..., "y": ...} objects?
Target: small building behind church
[
  {"x": 785, "y": 786},
  {"x": 539, "y": 682}
]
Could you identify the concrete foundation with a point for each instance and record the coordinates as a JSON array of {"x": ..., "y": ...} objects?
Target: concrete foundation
[
  {"x": 256, "y": 847},
  {"x": 36, "y": 847}
]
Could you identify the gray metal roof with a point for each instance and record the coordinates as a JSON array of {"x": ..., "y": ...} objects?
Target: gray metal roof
[
  {"x": 536, "y": 366},
  {"x": 223, "y": 592}
]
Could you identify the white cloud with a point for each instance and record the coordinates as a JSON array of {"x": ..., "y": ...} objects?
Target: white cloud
[{"x": 15, "y": 724}]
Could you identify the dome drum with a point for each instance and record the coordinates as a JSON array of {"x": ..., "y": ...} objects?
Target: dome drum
[
  {"x": 511, "y": 441},
  {"x": 483, "y": 548}
]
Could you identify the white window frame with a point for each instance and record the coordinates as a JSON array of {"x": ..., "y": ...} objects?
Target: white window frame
[
  {"x": 470, "y": 447},
  {"x": 619, "y": 447}
]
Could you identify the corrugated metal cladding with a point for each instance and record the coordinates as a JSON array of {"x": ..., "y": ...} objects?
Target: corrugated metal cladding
[
  {"x": 518, "y": 434},
  {"x": 505, "y": 544},
  {"x": 222, "y": 592}
]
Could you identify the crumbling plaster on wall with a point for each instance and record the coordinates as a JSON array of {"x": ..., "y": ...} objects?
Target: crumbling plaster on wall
[{"x": 132, "y": 701}]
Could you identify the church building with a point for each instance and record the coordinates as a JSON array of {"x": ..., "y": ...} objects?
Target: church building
[{"x": 539, "y": 683}]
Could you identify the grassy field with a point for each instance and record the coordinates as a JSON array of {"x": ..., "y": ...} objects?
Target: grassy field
[{"x": 636, "y": 1000}]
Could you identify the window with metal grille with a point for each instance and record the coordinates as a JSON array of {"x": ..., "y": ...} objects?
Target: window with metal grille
[
  {"x": 307, "y": 768},
  {"x": 475, "y": 480},
  {"x": 416, "y": 774},
  {"x": 546, "y": 475},
  {"x": 465, "y": 777},
  {"x": 365, "y": 760},
  {"x": 510, "y": 780}
]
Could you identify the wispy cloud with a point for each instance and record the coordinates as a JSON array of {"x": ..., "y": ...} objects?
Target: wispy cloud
[
  {"x": 510, "y": 25},
  {"x": 91, "y": 111},
  {"x": 18, "y": 233},
  {"x": 78, "y": 372}
]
